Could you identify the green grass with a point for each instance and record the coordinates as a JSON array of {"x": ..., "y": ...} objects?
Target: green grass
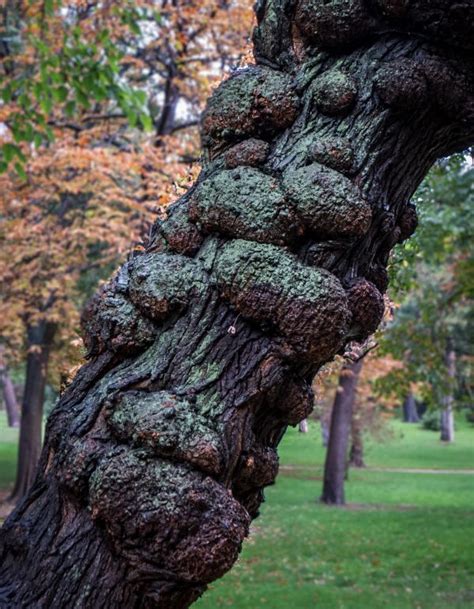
[
  {"x": 403, "y": 446},
  {"x": 404, "y": 542},
  {"x": 8, "y": 453}
]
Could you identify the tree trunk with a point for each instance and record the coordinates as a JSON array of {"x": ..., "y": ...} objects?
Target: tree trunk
[
  {"x": 336, "y": 455},
  {"x": 410, "y": 412},
  {"x": 203, "y": 348},
  {"x": 324, "y": 433},
  {"x": 356, "y": 453},
  {"x": 447, "y": 414},
  {"x": 8, "y": 391},
  {"x": 39, "y": 339},
  {"x": 303, "y": 426}
]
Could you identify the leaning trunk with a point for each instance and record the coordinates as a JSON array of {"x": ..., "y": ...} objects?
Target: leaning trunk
[
  {"x": 447, "y": 414},
  {"x": 341, "y": 417},
  {"x": 39, "y": 339},
  {"x": 203, "y": 347},
  {"x": 9, "y": 396},
  {"x": 410, "y": 412}
]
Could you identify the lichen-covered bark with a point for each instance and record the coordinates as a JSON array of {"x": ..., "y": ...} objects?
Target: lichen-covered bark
[{"x": 202, "y": 349}]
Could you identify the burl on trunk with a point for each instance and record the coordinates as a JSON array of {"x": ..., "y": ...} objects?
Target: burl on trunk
[{"x": 202, "y": 349}]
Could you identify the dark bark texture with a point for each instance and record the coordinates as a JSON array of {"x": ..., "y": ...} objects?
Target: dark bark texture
[
  {"x": 335, "y": 466},
  {"x": 202, "y": 350}
]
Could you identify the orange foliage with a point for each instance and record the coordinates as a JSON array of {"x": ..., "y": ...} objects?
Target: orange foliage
[{"x": 93, "y": 192}]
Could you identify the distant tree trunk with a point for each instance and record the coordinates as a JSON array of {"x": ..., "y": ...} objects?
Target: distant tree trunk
[
  {"x": 8, "y": 391},
  {"x": 324, "y": 433},
  {"x": 336, "y": 455},
  {"x": 410, "y": 412},
  {"x": 203, "y": 347},
  {"x": 303, "y": 426},
  {"x": 39, "y": 340},
  {"x": 356, "y": 453},
  {"x": 447, "y": 414}
]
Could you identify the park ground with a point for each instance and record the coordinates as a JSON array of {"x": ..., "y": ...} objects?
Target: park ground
[{"x": 405, "y": 540}]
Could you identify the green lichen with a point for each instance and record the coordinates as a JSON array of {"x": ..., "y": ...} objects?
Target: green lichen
[
  {"x": 255, "y": 100},
  {"x": 334, "y": 92},
  {"x": 307, "y": 306},
  {"x": 328, "y": 202},
  {"x": 169, "y": 426},
  {"x": 162, "y": 283},
  {"x": 245, "y": 203}
]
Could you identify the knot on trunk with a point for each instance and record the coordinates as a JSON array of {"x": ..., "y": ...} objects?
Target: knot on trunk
[
  {"x": 251, "y": 152},
  {"x": 255, "y": 101},
  {"x": 329, "y": 203},
  {"x": 181, "y": 235},
  {"x": 367, "y": 307},
  {"x": 165, "y": 518},
  {"x": 245, "y": 203},
  {"x": 334, "y": 152},
  {"x": 402, "y": 85},
  {"x": 169, "y": 427},
  {"x": 111, "y": 322},
  {"x": 305, "y": 306},
  {"x": 407, "y": 222},
  {"x": 334, "y": 93},
  {"x": 161, "y": 284},
  {"x": 337, "y": 24}
]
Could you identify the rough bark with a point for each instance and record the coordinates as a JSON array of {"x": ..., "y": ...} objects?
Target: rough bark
[
  {"x": 410, "y": 412},
  {"x": 447, "y": 413},
  {"x": 8, "y": 392},
  {"x": 39, "y": 337},
  {"x": 202, "y": 350},
  {"x": 335, "y": 466}
]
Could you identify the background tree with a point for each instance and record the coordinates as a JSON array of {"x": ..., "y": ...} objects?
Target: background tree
[
  {"x": 433, "y": 280},
  {"x": 202, "y": 348}
]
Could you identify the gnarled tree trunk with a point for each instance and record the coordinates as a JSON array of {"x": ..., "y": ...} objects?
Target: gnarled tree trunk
[{"x": 202, "y": 350}]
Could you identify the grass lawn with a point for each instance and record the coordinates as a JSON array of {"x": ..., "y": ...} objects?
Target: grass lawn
[{"x": 405, "y": 541}]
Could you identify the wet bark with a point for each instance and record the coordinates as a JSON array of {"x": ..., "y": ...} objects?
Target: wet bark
[
  {"x": 39, "y": 340},
  {"x": 335, "y": 466},
  {"x": 447, "y": 413},
  {"x": 410, "y": 412},
  {"x": 202, "y": 349},
  {"x": 8, "y": 392}
]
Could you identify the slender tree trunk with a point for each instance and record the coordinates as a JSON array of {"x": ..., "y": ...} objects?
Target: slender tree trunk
[
  {"x": 410, "y": 412},
  {"x": 324, "y": 433},
  {"x": 335, "y": 466},
  {"x": 8, "y": 390},
  {"x": 303, "y": 426},
  {"x": 39, "y": 340},
  {"x": 202, "y": 348},
  {"x": 447, "y": 414},
  {"x": 356, "y": 453}
]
